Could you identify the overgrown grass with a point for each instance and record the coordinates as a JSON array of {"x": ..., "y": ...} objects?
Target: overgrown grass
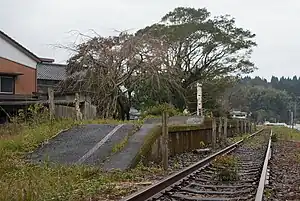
[
  {"x": 227, "y": 168},
  {"x": 32, "y": 182},
  {"x": 24, "y": 181},
  {"x": 121, "y": 145},
  {"x": 285, "y": 133},
  {"x": 18, "y": 138}
]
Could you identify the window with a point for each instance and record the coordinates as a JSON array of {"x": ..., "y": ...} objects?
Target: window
[{"x": 7, "y": 84}]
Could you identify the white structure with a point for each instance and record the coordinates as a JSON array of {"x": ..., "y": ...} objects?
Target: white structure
[
  {"x": 14, "y": 53},
  {"x": 238, "y": 114},
  {"x": 274, "y": 124},
  {"x": 199, "y": 100}
]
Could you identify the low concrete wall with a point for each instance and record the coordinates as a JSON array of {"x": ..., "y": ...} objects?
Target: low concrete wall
[
  {"x": 183, "y": 141},
  {"x": 185, "y": 138}
]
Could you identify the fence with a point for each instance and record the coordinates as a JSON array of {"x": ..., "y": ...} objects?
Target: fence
[
  {"x": 71, "y": 106},
  {"x": 62, "y": 111},
  {"x": 88, "y": 110}
]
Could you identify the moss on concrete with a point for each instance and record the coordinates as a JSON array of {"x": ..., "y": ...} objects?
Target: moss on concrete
[
  {"x": 120, "y": 146},
  {"x": 180, "y": 128},
  {"x": 151, "y": 137}
]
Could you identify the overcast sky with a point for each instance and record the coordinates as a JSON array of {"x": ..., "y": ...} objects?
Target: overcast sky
[{"x": 37, "y": 24}]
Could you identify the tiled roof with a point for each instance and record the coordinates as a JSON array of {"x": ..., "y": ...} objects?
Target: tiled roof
[{"x": 51, "y": 71}]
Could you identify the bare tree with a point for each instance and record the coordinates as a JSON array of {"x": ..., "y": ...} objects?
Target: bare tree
[{"x": 111, "y": 69}]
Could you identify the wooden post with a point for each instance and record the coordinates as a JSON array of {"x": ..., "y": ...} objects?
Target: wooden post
[
  {"x": 77, "y": 107},
  {"x": 214, "y": 133},
  {"x": 165, "y": 136},
  {"x": 51, "y": 103},
  {"x": 241, "y": 127},
  {"x": 220, "y": 129},
  {"x": 225, "y": 128},
  {"x": 249, "y": 126},
  {"x": 237, "y": 127}
]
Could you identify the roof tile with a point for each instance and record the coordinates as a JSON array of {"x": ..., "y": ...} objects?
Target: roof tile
[{"x": 51, "y": 71}]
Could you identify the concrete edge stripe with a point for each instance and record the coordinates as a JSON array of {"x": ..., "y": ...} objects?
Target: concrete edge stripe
[{"x": 99, "y": 144}]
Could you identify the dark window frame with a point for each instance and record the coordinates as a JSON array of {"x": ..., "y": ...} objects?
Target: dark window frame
[{"x": 13, "y": 84}]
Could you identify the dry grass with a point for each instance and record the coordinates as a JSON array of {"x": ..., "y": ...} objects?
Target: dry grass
[
  {"x": 285, "y": 133},
  {"x": 23, "y": 181}
]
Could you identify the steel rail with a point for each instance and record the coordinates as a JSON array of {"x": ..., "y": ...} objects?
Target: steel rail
[
  {"x": 176, "y": 177},
  {"x": 261, "y": 185}
]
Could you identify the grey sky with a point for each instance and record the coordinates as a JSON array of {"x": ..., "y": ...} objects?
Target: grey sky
[{"x": 38, "y": 23}]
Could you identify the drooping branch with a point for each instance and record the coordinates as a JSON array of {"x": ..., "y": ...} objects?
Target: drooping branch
[{"x": 159, "y": 63}]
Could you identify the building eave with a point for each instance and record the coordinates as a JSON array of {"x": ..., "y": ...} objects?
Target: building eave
[{"x": 19, "y": 47}]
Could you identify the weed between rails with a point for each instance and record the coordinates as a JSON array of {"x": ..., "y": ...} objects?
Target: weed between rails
[{"x": 227, "y": 168}]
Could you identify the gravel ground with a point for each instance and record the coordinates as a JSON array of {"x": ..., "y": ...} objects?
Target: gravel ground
[
  {"x": 180, "y": 161},
  {"x": 69, "y": 146},
  {"x": 284, "y": 167},
  {"x": 176, "y": 163}
]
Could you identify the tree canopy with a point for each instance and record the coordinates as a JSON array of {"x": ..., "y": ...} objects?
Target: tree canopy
[
  {"x": 162, "y": 63},
  {"x": 202, "y": 47}
]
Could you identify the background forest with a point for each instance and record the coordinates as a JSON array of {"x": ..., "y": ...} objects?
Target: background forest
[{"x": 271, "y": 101}]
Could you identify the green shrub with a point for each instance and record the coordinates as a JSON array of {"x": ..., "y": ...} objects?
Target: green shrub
[
  {"x": 157, "y": 110},
  {"x": 34, "y": 114},
  {"x": 227, "y": 168},
  {"x": 274, "y": 137}
]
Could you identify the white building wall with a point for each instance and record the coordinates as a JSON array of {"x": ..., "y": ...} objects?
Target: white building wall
[{"x": 9, "y": 52}]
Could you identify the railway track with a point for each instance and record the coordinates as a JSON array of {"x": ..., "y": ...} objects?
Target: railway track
[{"x": 237, "y": 172}]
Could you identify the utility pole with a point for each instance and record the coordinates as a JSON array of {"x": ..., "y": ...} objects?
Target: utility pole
[{"x": 199, "y": 100}]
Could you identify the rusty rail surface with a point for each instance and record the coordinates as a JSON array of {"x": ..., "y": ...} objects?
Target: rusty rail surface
[{"x": 154, "y": 189}]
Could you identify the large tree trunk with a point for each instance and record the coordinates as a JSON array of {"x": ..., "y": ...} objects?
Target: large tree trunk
[{"x": 124, "y": 108}]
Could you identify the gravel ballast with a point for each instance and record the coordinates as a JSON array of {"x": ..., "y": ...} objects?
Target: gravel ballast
[{"x": 284, "y": 183}]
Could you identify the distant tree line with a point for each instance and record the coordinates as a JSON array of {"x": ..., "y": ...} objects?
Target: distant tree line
[{"x": 271, "y": 101}]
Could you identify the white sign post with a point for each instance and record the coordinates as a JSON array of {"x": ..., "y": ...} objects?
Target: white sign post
[{"x": 199, "y": 100}]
